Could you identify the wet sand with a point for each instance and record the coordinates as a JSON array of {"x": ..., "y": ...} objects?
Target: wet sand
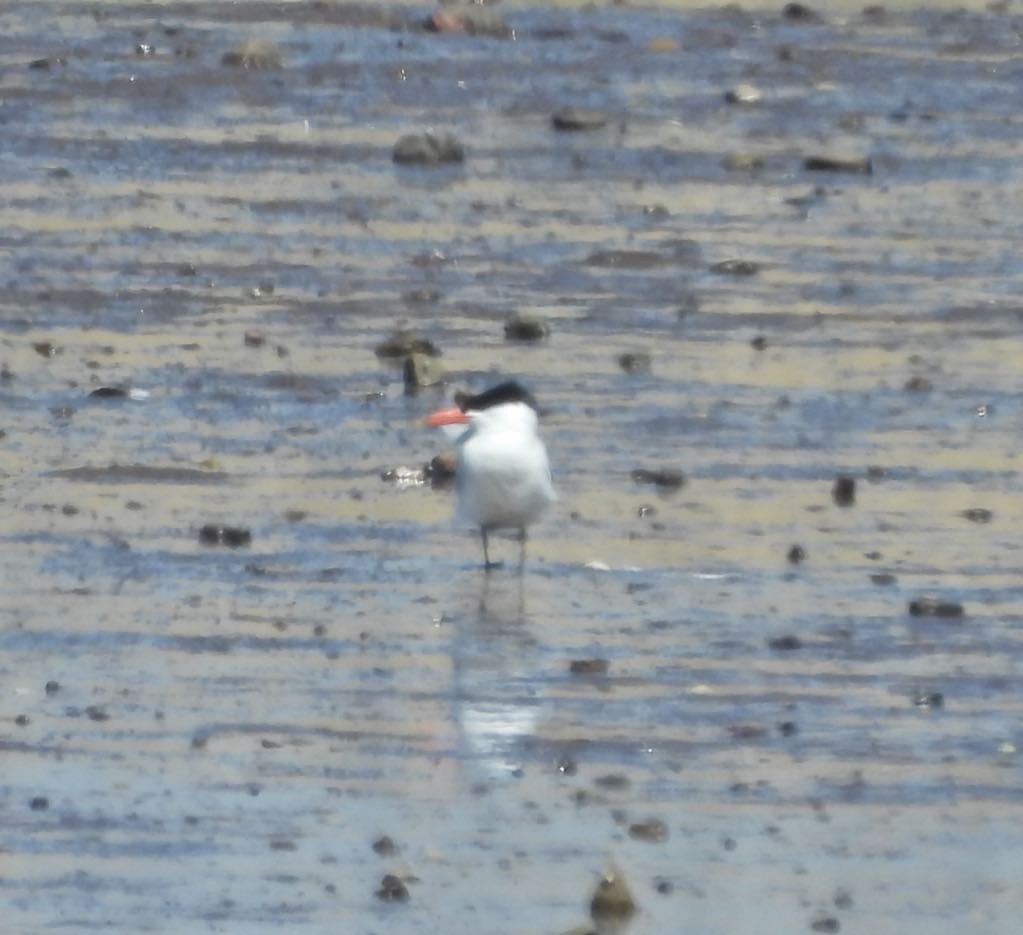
[{"x": 206, "y": 738}]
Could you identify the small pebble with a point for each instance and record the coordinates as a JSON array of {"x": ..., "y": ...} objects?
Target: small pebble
[
  {"x": 933, "y": 607},
  {"x": 589, "y": 666},
  {"x": 392, "y": 889},
  {"x": 844, "y": 491},
  {"x": 384, "y": 846},
  {"x": 653, "y": 831},
  {"x": 796, "y": 555}
]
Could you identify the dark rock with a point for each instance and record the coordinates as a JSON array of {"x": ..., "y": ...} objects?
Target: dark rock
[
  {"x": 428, "y": 149},
  {"x": 798, "y": 11},
  {"x": 825, "y": 924},
  {"x": 384, "y": 846},
  {"x": 918, "y": 384},
  {"x": 883, "y": 579},
  {"x": 666, "y": 478},
  {"x": 759, "y": 343},
  {"x": 747, "y": 731},
  {"x": 44, "y": 64},
  {"x": 96, "y": 713},
  {"x": 788, "y": 728},
  {"x": 843, "y": 898},
  {"x": 635, "y": 362},
  {"x": 978, "y": 515},
  {"x": 392, "y": 889},
  {"x": 52, "y": 687},
  {"x": 613, "y": 897},
  {"x": 109, "y": 392},
  {"x": 283, "y": 844},
  {"x": 625, "y": 259},
  {"x": 60, "y": 173},
  {"x": 844, "y": 491},
  {"x": 254, "y": 54},
  {"x": 929, "y": 699},
  {"x": 857, "y": 165},
  {"x": 932, "y": 607},
  {"x": 578, "y": 118},
  {"x": 45, "y": 348},
  {"x": 785, "y": 643},
  {"x": 654, "y": 831},
  {"x": 22, "y": 720},
  {"x": 39, "y": 804},
  {"x": 421, "y": 370},
  {"x": 231, "y": 536},
  {"x": 736, "y": 268},
  {"x": 589, "y": 666},
  {"x": 526, "y": 328},
  {"x": 440, "y": 472},
  {"x": 403, "y": 343},
  {"x": 255, "y": 338},
  {"x": 612, "y": 781},
  {"x": 664, "y": 887},
  {"x": 796, "y": 555}
]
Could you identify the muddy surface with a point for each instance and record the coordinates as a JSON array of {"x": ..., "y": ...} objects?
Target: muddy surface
[{"x": 234, "y": 659}]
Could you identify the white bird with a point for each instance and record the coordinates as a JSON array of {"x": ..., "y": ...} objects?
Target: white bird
[{"x": 503, "y": 476}]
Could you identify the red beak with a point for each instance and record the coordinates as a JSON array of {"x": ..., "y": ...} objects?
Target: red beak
[{"x": 452, "y": 416}]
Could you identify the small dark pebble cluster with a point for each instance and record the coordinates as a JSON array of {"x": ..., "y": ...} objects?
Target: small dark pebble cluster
[
  {"x": 665, "y": 478},
  {"x": 589, "y": 666},
  {"x": 232, "y": 536},
  {"x": 428, "y": 149},
  {"x": 844, "y": 491},
  {"x": 392, "y": 889},
  {"x": 526, "y": 328},
  {"x": 933, "y": 607}
]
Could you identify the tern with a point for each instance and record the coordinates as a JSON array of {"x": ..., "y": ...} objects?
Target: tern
[{"x": 503, "y": 476}]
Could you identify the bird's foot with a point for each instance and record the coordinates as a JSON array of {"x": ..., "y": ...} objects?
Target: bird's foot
[{"x": 490, "y": 566}]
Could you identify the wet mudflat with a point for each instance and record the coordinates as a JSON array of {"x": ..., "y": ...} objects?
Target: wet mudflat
[{"x": 235, "y": 658}]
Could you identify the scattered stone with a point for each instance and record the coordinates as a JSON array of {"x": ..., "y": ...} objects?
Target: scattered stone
[
  {"x": 625, "y": 259},
  {"x": 929, "y": 699},
  {"x": 428, "y": 149},
  {"x": 932, "y": 607},
  {"x": 589, "y": 666},
  {"x": 785, "y": 643},
  {"x": 255, "y": 338},
  {"x": 22, "y": 720},
  {"x": 232, "y": 536},
  {"x": 613, "y": 897},
  {"x": 96, "y": 713},
  {"x": 474, "y": 20},
  {"x": 747, "y": 731},
  {"x": 744, "y": 162},
  {"x": 788, "y": 728},
  {"x": 736, "y": 268},
  {"x": 421, "y": 370},
  {"x": 666, "y": 478},
  {"x": 69, "y": 509},
  {"x": 39, "y": 803},
  {"x": 978, "y": 515},
  {"x": 441, "y": 470},
  {"x": 796, "y": 555},
  {"x": 578, "y": 118},
  {"x": 844, "y": 491},
  {"x": 759, "y": 343},
  {"x": 857, "y": 165},
  {"x": 52, "y": 687},
  {"x": 825, "y": 924},
  {"x": 526, "y": 328},
  {"x": 654, "y": 831},
  {"x": 60, "y": 173},
  {"x": 403, "y": 343},
  {"x": 254, "y": 54},
  {"x": 187, "y": 269},
  {"x": 664, "y": 887},
  {"x": 45, "y": 348},
  {"x": 918, "y": 384},
  {"x": 799, "y": 11},
  {"x": 44, "y": 64},
  {"x": 743, "y": 94},
  {"x": 612, "y": 781},
  {"x": 883, "y": 579},
  {"x": 635, "y": 362},
  {"x": 384, "y": 846},
  {"x": 392, "y": 889},
  {"x": 283, "y": 844},
  {"x": 843, "y": 898},
  {"x": 109, "y": 392}
]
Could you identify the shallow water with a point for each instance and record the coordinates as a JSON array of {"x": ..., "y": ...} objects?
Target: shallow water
[{"x": 230, "y": 729}]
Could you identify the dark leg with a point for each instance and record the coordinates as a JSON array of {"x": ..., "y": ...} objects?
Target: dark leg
[
  {"x": 522, "y": 548},
  {"x": 487, "y": 564}
]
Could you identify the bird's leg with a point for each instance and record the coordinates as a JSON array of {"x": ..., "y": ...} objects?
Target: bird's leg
[
  {"x": 522, "y": 548},
  {"x": 487, "y": 564}
]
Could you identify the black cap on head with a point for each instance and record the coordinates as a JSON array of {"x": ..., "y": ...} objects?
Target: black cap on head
[{"x": 510, "y": 392}]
